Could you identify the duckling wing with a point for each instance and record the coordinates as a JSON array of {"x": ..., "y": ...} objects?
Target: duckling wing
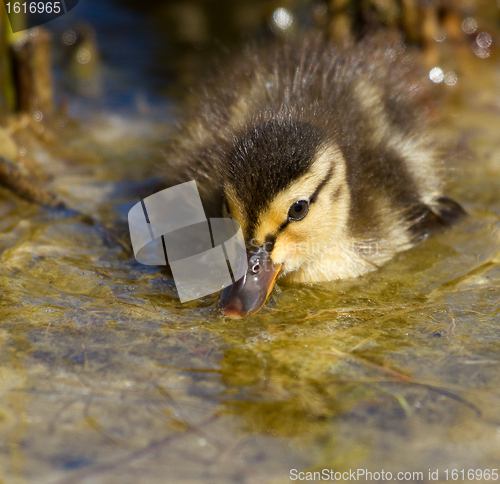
[{"x": 427, "y": 219}]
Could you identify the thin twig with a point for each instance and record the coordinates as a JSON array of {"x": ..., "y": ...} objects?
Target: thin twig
[
  {"x": 131, "y": 457},
  {"x": 25, "y": 188},
  {"x": 405, "y": 378}
]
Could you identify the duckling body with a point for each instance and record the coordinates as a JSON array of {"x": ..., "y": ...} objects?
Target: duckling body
[{"x": 322, "y": 154}]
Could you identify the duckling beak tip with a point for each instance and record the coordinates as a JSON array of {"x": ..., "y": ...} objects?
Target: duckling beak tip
[
  {"x": 229, "y": 314},
  {"x": 247, "y": 295}
]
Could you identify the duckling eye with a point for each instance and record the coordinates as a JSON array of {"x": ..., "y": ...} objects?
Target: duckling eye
[{"x": 298, "y": 210}]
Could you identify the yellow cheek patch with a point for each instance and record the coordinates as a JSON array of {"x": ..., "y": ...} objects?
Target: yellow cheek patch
[
  {"x": 287, "y": 246},
  {"x": 328, "y": 158},
  {"x": 303, "y": 240},
  {"x": 325, "y": 225}
]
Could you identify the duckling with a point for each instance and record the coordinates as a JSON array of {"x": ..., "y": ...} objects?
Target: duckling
[{"x": 322, "y": 153}]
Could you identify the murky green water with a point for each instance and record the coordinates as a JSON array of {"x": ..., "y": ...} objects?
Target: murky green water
[{"x": 106, "y": 378}]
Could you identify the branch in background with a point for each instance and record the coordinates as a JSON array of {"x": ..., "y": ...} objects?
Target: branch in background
[
  {"x": 31, "y": 63},
  {"x": 23, "y": 187}
]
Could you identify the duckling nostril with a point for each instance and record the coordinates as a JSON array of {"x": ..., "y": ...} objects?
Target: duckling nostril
[
  {"x": 256, "y": 268},
  {"x": 255, "y": 264}
]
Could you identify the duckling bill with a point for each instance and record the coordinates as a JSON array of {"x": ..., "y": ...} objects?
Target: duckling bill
[{"x": 324, "y": 156}]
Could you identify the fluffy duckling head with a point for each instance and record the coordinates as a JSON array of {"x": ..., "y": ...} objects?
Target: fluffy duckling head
[{"x": 285, "y": 183}]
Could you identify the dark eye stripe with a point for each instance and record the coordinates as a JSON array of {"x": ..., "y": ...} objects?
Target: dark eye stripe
[
  {"x": 321, "y": 185},
  {"x": 269, "y": 243}
]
